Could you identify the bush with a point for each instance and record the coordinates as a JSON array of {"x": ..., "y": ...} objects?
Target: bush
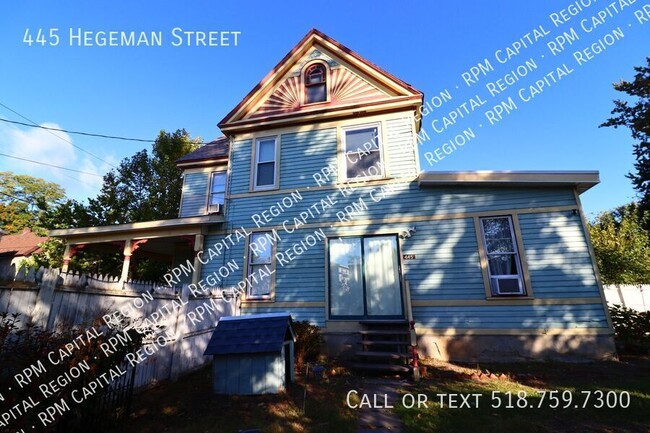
[
  {"x": 631, "y": 327},
  {"x": 309, "y": 342},
  {"x": 24, "y": 347}
]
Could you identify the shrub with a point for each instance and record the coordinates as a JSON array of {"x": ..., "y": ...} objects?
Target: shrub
[
  {"x": 24, "y": 347},
  {"x": 631, "y": 327},
  {"x": 309, "y": 342}
]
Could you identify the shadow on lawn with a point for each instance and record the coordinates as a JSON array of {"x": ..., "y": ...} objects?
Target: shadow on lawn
[
  {"x": 189, "y": 405},
  {"x": 534, "y": 413}
]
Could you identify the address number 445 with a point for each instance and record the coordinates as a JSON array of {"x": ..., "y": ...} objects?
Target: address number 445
[{"x": 47, "y": 37}]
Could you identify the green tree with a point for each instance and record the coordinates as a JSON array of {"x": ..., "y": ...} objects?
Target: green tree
[
  {"x": 622, "y": 246},
  {"x": 25, "y": 199},
  {"x": 145, "y": 186},
  {"x": 635, "y": 115}
]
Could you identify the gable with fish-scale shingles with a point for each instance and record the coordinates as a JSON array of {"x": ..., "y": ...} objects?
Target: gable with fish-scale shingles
[{"x": 353, "y": 83}]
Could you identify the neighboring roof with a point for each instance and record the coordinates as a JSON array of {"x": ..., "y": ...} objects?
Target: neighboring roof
[
  {"x": 581, "y": 180},
  {"x": 217, "y": 149},
  {"x": 20, "y": 244},
  {"x": 255, "y": 333},
  {"x": 403, "y": 93}
]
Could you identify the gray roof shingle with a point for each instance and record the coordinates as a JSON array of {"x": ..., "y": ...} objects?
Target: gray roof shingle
[
  {"x": 256, "y": 333},
  {"x": 214, "y": 149}
]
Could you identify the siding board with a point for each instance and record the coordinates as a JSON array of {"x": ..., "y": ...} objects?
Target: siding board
[{"x": 195, "y": 188}]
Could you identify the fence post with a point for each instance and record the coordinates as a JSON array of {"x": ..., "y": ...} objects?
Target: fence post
[
  {"x": 45, "y": 297},
  {"x": 176, "y": 367}
]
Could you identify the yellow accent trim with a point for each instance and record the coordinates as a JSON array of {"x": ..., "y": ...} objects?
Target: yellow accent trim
[
  {"x": 500, "y": 301},
  {"x": 592, "y": 254},
  {"x": 482, "y": 258},
  {"x": 144, "y": 230},
  {"x": 519, "y": 238},
  {"x": 326, "y": 256},
  {"x": 210, "y": 167},
  {"x": 333, "y": 187},
  {"x": 319, "y": 125},
  {"x": 397, "y": 220},
  {"x": 401, "y": 103},
  {"x": 272, "y": 304},
  {"x": 421, "y": 331}
]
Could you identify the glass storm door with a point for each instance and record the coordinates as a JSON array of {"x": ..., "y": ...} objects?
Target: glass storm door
[{"x": 364, "y": 277}]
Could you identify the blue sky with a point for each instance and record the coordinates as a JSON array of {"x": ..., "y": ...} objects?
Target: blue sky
[{"x": 137, "y": 91}]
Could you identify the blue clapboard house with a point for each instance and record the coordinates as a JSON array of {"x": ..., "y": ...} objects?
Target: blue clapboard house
[{"x": 313, "y": 203}]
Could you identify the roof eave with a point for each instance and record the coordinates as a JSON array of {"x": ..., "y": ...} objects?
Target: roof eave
[
  {"x": 580, "y": 180},
  {"x": 137, "y": 226},
  {"x": 201, "y": 162}
]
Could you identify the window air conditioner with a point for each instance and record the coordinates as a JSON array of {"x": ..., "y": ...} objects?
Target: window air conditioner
[{"x": 214, "y": 208}]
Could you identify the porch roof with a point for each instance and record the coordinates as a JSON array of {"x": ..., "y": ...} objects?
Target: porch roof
[
  {"x": 140, "y": 230},
  {"x": 581, "y": 180}
]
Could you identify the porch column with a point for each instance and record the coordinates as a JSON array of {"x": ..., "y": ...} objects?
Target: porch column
[
  {"x": 198, "y": 246},
  {"x": 127, "y": 260},
  {"x": 66, "y": 259},
  {"x": 68, "y": 253}
]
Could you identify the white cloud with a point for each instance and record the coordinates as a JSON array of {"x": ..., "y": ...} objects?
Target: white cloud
[{"x": 52, "y": 147}]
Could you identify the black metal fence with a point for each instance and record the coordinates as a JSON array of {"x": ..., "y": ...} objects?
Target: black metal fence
[{"x": 106, "y": 408}]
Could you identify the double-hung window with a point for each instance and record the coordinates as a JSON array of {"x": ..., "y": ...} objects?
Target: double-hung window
[
  {"x": 362, "y": 147},
  {"x": 502, "y": 255},
  {"x": 265, "y": 171},
  {"x": 217, "y": 191},
  {"x": 260, "y": 266}
]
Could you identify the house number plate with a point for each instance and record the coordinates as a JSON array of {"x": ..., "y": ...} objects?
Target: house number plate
[{"x": 408, "y": 256}]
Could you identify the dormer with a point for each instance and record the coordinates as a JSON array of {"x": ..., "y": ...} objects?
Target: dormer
[{"x": 205, "y": 179}]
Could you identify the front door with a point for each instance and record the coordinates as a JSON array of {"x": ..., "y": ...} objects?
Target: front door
[{"x": 364, "y": 278}]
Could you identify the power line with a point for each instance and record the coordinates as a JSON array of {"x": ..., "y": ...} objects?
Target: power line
[
  {"x": 50, "y": 165},
  {"x": 34, "y": 124},
  {"x": 88, "y": 134}
]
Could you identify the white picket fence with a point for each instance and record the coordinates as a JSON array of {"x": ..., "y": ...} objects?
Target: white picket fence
[
  {"x": 632, "y": 296},
  {"x": 53, "y": 300}
]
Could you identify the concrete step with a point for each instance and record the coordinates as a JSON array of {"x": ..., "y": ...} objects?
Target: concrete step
[
  {"x": 385, "y": 343},
  {"x": 396, "y": 322},
  {"x": 381, "y": 367},
  {"x": 384, "y": 332},
  {"x": 384, "y": 355}
]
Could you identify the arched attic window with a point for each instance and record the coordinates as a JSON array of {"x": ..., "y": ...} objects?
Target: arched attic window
[{"x": 315, "y": 82}]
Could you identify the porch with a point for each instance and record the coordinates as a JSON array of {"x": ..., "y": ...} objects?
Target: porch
[{"x": 169, "y": 243}]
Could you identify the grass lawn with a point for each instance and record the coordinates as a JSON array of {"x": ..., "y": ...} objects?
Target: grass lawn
[
  {"x": 631, "y": 375},
  {"x": 189, "y": 406}
]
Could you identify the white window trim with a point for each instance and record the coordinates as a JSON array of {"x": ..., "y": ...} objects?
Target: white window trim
[
  {"x": 380, "y": 140},
  {"x": 225, "y": 184},
  {"x": 494, "y": 292},
  {"x": 250, "y": 264},
  {"x": 257, "y": 161}
]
